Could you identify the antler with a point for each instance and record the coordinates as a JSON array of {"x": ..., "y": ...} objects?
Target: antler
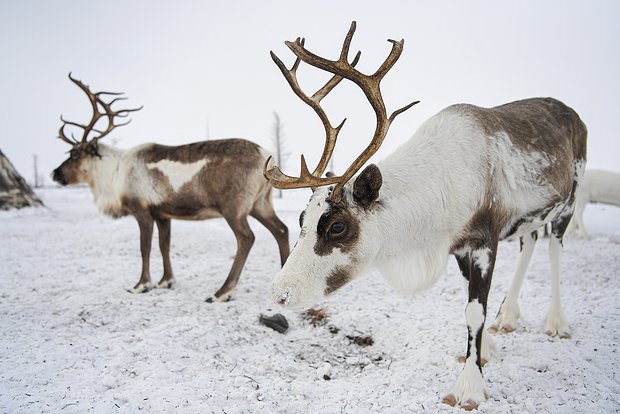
[
  {"x": 307, "y": 179},
  {"x": 95, "y": 102},
  {"x": 370, "y": 85}
]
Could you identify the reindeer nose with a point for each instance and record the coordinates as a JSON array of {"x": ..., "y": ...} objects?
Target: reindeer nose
[
  {"x": 282, "y": 297},
  {"x": 58, "y": 177}
]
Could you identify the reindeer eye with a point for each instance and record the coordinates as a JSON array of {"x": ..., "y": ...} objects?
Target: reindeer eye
[{"x": 337, "y": 228}]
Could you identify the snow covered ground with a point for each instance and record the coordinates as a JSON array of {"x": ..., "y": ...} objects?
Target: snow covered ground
[{"x": 72, "y": 339}]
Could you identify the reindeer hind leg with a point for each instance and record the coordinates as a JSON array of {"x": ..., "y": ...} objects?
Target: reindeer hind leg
[
  {"x": 263, "y": 212},
  {"x": 509, "y": 311},
  {"x": 245, "y": 240},
  {"x": 556, "y": 323}
]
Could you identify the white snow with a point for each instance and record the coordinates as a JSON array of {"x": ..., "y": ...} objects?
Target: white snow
[{"x": 73, "y": 340}]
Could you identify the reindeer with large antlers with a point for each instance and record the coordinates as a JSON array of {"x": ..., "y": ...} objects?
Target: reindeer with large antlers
[
  {"x": 157, "y": 183},
  {"x": 468, "y": 178}
]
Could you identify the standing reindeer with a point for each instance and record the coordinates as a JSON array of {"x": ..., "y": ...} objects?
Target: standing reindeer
[
  {"x": 157, "y": 183},
  {"x": 468, "y": 178}
]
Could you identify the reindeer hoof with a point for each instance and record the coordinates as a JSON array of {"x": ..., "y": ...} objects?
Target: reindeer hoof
[
  {"x": 469, "y": 405},
  {"x": 450, "y": 400},
  {"x": 141, "y": 288},
  {"x": 224, "y": 298},
  {"x": 166, "y": 284},
  {"x": 461, "y": 359},
  {"x": 556, "y": 324},
  {"x": 562, "y": 335},
  {"x": 504, "y": 329}
]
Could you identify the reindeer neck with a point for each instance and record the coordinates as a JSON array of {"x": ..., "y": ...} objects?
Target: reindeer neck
[
  {"x": 105, "y": 180},
  {"x": 425, "y": 205},
  {"x": 438, "y": 172}
]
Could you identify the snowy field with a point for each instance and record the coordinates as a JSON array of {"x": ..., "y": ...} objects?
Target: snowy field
[{"x": 73, "y": 340}]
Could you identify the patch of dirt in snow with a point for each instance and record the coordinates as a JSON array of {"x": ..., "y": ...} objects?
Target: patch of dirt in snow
[{"x": 73, "y": 340}]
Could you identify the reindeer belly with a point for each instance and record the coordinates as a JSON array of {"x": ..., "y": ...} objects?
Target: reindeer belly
[
  {"x": 188, "y": 207},
  {"x": 204, "y": 214},
  {"x": 527, "y": 223}
]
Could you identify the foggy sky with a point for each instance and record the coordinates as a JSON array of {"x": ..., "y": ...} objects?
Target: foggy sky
[{"x": 202, "y": 69}]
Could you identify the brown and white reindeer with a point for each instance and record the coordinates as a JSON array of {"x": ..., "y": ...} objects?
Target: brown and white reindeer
[
  {"x": 468, "y": 178},
  {"x": 157, "y": 183}
]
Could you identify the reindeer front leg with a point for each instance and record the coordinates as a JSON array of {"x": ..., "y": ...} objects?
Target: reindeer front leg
[
  {"x": 487, "y": 346},
  {"x": 145, "y": 221},
  {"x": 469, "y": 390},
  {"x": 163, "y": 227}
]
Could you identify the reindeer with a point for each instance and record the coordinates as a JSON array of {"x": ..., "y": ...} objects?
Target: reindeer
[
  {"x": 468, "y": 178},
  {"x": 157, "y": 183},
  {"x": 598, "y": 186}
]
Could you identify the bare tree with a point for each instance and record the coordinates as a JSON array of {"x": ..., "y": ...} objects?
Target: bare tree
[
  {"x": 38, "y": 178},
  {"x": 278, "y": 142}
]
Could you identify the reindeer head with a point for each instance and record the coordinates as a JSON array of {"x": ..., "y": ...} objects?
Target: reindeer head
[
  {"x": 77, "y": 167},
  {"x": 334, "y": 245}
]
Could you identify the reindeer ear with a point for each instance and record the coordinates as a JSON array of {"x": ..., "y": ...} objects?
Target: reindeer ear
[{"x": 367, "y": 185}]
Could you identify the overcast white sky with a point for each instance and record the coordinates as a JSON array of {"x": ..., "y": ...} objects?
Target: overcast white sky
[{"x": 202, "y": 68}]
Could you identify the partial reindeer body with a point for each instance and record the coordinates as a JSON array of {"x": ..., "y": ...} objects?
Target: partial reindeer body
[
  {"x": 597, "y": 187},
  {"x": 452, "y": 174},
  {"x": 157, "y": 183},
  {"x": 468, "y": 178},
  {"x": 195, "y": 181}
]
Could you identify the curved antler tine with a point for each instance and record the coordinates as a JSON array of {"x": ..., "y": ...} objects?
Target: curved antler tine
[
  {"x": 61, "y": 133},
  {"x": 328, "y": 149},
  {"x": 301, "y": 42},
  {"x": 109, "y": 93},
  {"x": 124, "y": 113},
  {"x": 83, "y": 87},
  {"x": 72, "y": 123},
  {"x": 72, "y": 78},
  {"x": 121, "y": 124},
  {"x": 287, "y": 74},
  {"x": 344, "y": 53},
  {"x": 120, "y": 98},
  {"x": 304, "y": 167},
  {"x": 356, "y": 58},
  {"x": 132, "y": 109},
  {"x": 397, "y": 49},
  {"x": 280, "y": 180},
  {"x": 401, "y": 110}
]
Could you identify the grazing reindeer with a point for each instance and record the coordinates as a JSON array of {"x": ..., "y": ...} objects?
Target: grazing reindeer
[
  {"x": 468, "y": 178},
  {"x": 598, "y": 186},
  {"x": 157, "y": 183}
]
